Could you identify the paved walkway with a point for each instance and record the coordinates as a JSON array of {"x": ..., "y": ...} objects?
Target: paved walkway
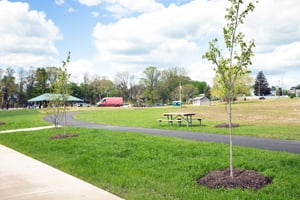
[
  {"x": 26, "y": 129},
  {"x": 291, "y": 146},
  {"x": 23, "y": 178}
]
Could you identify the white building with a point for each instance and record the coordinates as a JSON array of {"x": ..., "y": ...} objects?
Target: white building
[
  {"x": 201, "y": 100},
  {"x": 297, "y": 93}
]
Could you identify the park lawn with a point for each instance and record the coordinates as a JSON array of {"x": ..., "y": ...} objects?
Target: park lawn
[
  {"x": 277, "y": 118},
  {"x": 21, "y": 118},
  {"x": 137, "y": 166}
]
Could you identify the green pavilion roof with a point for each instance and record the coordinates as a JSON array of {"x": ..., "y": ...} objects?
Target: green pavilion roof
[{"x": 50, "y": 97}]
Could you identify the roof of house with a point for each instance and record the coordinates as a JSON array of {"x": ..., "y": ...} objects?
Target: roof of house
[
  {"x": 50, "y": 96},
  {"x": 201, "y": 97}
]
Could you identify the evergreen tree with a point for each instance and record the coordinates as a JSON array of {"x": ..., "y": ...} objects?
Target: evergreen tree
[{"x": 261, "y": 85}]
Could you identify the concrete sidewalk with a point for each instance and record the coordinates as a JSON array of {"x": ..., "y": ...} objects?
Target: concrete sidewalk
[
  {"x": 28, "y": 129},
  {"x": 23, "y": 178}
]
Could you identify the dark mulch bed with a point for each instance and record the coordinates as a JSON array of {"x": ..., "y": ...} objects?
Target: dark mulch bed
[
  {"x": 2, "y": 123},
  {"x": 241, "y": 179},
  {"x": 61, "y": 136},
  {"x": 226, "y": 125}
]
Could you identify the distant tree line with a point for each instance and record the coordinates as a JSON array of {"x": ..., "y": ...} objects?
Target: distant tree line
[{"x": 154, "y": 86}]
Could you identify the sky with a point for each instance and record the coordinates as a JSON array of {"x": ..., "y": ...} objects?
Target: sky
[{"x": 110, "y": 36}]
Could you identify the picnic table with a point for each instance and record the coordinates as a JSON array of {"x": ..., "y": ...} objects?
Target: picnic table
[{"x": 179, "y": 116}]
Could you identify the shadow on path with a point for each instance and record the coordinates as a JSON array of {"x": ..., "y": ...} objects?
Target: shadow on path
[{"x": 291, "y": 146}]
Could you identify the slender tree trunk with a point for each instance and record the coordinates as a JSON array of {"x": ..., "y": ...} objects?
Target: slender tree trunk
[
  {"x": 65, "y": 117},
  {"x": 230, "y": 136}
]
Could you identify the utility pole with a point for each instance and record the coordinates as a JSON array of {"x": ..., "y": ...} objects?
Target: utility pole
[{"x": 180, "y": 88}]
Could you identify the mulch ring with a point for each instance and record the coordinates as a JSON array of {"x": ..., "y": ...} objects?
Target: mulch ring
[
  {"x": 2, "y": 123},
  {"x": 62, "y": 136},
  {"x": 226, "y": 125},
  {"x": 245, "y": 179}
]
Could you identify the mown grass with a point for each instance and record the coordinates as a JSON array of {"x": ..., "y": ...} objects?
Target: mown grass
[
  {"x": 23, "y": 118},
  {"x": 136, "y": 166},
  {"x": 277, "y": 118}
]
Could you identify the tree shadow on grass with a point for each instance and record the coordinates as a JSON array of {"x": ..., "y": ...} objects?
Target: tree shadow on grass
[
  {"x": 62, "y": 136},
  {"x": 224, "y": 125}
]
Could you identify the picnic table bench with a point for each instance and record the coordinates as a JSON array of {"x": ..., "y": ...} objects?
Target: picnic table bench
[
  {"x": 170, "y": 121},
  {"x": 179, "y": 118}
]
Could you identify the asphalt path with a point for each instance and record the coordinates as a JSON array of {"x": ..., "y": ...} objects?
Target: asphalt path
[{"x": 291, "y": 146}]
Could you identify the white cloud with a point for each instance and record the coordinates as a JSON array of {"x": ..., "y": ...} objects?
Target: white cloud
[
  {"x": 174, "y": 36},
  {"x": 274, "y": 23},
  {"x": 80, "y": 67},
  {"x": 124, "y": 7},
  {"x": 276, "y": 29},
  {"x": 179, "y": 35},
  {"x": 121, "y": 8},
  {"x": 280, "y": 64},
  {"x": 166, "y": 38},
  {"x": 95, "y": 14},
  {"x": 71, "y": 10},
  {"x": 59, "y": 2},
  {"x": 27, "y": 37},
  {"x": 90, "y": 2}
]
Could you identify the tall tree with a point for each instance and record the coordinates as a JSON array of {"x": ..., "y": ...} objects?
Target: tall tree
[
  {"x": 188, "y": 91},
  {"x": 261, "y": 85},
  {"x": 84, "y": 86},
  {"x": 170, "y": 80},
  {"x": 201, "y": 85},
  {"x": 21, "y": 87},
  {"x": 75, "y": 90},
  {"x": 41, "y": 77},
  {"x": 52, "y": 73},
  {"x": 150, "y": 80},
  {"x": 100, "y": 87},
  {"x": 29, "y": 83},
  {"x": 240, "y": 53},
  {"x": 9, "y": 88},
  {"x": 122, "y": 84}
]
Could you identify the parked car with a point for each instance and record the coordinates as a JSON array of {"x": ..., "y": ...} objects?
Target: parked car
[
  {"x": 127, "y": 105},
  {"x": 82, "y": 104}
]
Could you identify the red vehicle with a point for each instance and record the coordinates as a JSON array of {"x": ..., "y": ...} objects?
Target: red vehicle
[{"x": 111, "y": 101}]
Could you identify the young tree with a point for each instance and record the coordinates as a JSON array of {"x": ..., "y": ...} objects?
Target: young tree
[
  {"x": 61, "y": 88},
  {"x": 240, "y": 53},
  {"x": 261, "y": 85}
]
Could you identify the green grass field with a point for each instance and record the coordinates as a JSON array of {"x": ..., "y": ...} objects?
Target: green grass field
[
  {"x": 137, "y": 166},
  {"x": 24, "y": 118},
  {"x": 271, "y": 118}
]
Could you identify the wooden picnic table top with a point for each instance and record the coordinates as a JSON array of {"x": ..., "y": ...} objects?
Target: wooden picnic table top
[{"x": 179, "y": 113}]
